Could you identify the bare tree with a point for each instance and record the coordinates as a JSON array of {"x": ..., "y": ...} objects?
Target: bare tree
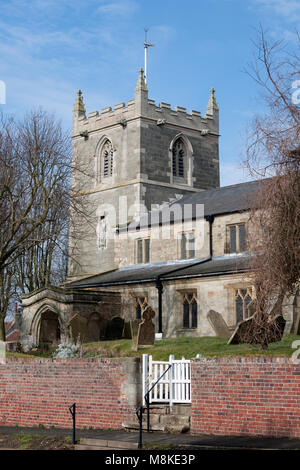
[
  {"x": 274, "y": 150},
  {"x": 35, "y": 177}
]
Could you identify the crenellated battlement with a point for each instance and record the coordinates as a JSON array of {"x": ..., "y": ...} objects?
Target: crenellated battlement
[
  {"x": 162, "y": 114},
  {"x": 143, "y": 107}
]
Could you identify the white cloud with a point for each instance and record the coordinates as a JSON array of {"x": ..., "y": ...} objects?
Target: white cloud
[
  {"x": 290, "y": 9},
  {"x": 125, "y": 8}
]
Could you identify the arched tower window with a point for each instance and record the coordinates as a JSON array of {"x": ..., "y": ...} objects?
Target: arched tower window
[
  {"x": 107, "y": 156},
  {"x": 179, "y": 159}
]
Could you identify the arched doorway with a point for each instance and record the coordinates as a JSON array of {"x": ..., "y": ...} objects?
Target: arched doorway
[{"x": 50, "y": 333}]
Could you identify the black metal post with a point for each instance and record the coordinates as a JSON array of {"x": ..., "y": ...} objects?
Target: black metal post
[
  {"x": 210, "y": 219},
  {"x": 72, "y": 410},
  {"x": 148, "y": 411},
  {"x": 159, "y": 287},
  {"x": 139, "y": 413}
]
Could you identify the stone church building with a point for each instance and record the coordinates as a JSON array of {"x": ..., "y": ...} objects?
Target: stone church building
[{"x": 162, "y": 231}]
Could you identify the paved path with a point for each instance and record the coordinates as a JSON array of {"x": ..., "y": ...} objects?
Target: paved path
[{"x": 192, "y": 441}]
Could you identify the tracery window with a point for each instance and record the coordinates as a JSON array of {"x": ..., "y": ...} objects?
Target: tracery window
[
  {"x": 107, "y": 155},
  {"x": 141, "y": 304},
  {"x": 243, "y": 297},
  {"x": 190, "y": 310},
  {"x": 179, "y": 158}
]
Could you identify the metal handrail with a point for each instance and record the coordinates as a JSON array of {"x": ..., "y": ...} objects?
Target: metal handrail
[
  {"x": 139, "y": 411},
  {"x": 72, "y": 410}
]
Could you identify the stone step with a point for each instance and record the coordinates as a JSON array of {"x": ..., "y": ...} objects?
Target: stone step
[
  {"x": 176, "y": 409},
  {"x": 180, "y": 409},
  {"x": 164, "y": 418},
  {"x": 174, "y": 420},
  {"x": 176, "y": 426},
  {"x": 135, "y": 425},
  {"x": 159, "y": 409},
  {"x": 103, "y": 444}
]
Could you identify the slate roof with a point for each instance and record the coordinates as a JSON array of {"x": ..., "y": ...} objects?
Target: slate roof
[
  {"x": 224, "y": 200},
  {"x": 227, "y": 264}
]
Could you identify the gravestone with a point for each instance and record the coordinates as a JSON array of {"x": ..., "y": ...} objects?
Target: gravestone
[
  {"x": 218, "y": 323},
  {"x": 114, "y": 328},
  {"x": 78, "y": 329},
  {"x": 146, "y": 331},
  {"x": 272, "y": 332}
]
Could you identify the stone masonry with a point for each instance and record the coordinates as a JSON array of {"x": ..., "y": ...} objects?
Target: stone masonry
[{"x": 141, "y": 135}]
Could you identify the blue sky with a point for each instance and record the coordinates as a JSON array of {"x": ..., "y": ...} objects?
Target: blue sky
[{"x": 51, "y": 48}]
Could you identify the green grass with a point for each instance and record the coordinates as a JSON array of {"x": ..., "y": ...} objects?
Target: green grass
[
  {"x": 28, "y": 441},
  {"x": 18, "y": 355},
  {"x": 33, "y": 353},
  {"x": 188, "y": 347}
]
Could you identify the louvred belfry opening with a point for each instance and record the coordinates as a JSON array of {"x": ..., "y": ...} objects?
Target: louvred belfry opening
[
  {"x": 107, "y": 158},
  {"x": 178, "y": 158}
]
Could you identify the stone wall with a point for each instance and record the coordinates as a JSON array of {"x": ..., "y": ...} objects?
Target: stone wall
[
  {"x": 246, "y": 396},
  {"x": 39, "y": 391},
  {"x": 219, "y": 229},
  {"x": 165, "y": 242},
  {"x": 64, "y": 304},
  {"x": 215, "y": 292},
  {"x": 141, "y": 134}
]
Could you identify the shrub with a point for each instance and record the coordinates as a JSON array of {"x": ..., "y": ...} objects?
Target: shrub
[{"x": 67, "y": 349}]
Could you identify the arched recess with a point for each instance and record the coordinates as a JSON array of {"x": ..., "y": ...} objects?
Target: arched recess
[
  {"x": 181, "y": 160},
  {"x": 47, "y": 326},
  {"x": 104, "y": 159},
  {"x": 96, "y": 327}
]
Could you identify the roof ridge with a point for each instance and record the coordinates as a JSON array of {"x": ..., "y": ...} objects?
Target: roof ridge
[{"x": 223, "y": 187}]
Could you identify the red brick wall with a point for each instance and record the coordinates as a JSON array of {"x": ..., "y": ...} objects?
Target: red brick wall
[
  {"x": 246, "y": 396},
  {"x": 39, "y": 391}
]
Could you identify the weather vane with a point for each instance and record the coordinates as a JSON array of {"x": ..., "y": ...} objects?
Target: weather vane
[{"x": 146, "y": 45}]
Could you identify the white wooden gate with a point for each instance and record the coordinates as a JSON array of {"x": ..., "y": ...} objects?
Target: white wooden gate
[{"x": 173, "y": 387}]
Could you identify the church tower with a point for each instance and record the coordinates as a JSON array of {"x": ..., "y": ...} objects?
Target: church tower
[{"x": 137, "y": 156}]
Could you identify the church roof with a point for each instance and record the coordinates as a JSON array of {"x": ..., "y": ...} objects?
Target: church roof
[
  {"x": 169, "y": 270},
  {"x": 218, "y": 201}
]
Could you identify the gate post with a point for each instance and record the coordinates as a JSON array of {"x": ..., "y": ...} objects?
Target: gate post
[{"x": 171, "y": 359}]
